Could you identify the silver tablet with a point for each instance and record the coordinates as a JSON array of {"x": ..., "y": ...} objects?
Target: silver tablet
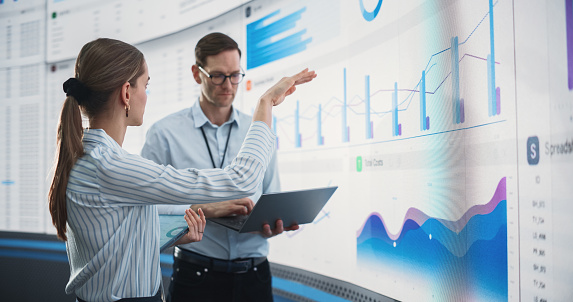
[{"x": 292, "y": 207}]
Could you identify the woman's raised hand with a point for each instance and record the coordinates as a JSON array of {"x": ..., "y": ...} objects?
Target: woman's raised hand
[
  {"x": 286, "y": 86},
  {"x": 276, "y": 94}
]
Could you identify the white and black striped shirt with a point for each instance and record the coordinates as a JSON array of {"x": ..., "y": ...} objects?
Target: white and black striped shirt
[{"x": 113, "y": 226}]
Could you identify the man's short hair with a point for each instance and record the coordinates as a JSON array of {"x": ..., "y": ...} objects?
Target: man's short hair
[{"x": 213, "y": 44}]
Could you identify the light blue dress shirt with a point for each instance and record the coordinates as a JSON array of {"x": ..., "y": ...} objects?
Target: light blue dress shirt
[
  {"x": 113, "y": 225},
  {"x": 177, "y": 140}
]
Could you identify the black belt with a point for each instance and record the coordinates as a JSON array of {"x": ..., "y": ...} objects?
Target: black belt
[
  {"x": 155, "y": 298},
  {"x": 236, "y": 266}
]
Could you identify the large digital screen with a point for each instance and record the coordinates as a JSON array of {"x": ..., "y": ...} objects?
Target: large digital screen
[{"x": 447, "y": 125}]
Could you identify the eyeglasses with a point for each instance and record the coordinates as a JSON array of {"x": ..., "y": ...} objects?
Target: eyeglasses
[{"x": 219, "y": 78}]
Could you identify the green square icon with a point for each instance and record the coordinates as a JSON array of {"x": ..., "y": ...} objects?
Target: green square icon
[{"x": 358, "y": 163}]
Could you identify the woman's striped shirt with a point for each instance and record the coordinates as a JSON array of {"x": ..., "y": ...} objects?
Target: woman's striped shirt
[{"x": 113, "y": 226}]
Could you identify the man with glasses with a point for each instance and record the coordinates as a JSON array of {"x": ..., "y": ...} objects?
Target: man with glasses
[{"x": 225, "y": 265}]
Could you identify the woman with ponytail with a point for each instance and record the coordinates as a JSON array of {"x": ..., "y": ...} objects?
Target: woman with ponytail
[{"x": 102, "y": 199}]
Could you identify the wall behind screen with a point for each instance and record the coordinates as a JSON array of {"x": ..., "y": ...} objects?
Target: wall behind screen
[{"x": 447, "y": 126}]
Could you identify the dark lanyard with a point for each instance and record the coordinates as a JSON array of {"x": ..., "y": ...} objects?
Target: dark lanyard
[{"x": 209, "y": 149}]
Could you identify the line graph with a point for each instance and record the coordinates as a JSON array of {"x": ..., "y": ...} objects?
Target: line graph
[{"x": 401, "y": 98}]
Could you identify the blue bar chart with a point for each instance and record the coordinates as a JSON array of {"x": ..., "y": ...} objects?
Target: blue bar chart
[
  {"x": 424, "y": 118},
  {"x": 263, "y": 48},
  {"x": 396, "y": 127},
  {"x": 368, "y": 122},
  {"x": 569, "y": 30},
  {"x": 386, "y": 110},
  {"x": 345, "y": 128},
  {"x": 319, "y": 137},
  {"x": 274, "y": 128},
  {"x": 493, "y": 91},
  {"x": 455, "y": 57},
  {"x": 298, "y": 138}
]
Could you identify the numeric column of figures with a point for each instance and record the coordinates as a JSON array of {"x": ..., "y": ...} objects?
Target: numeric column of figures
[
  {"x": 540, "y": 236},
  {"x": 539, "y": 251}
]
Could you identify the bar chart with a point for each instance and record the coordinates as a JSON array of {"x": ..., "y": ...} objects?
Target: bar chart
[{"x": 442, "y": 77}]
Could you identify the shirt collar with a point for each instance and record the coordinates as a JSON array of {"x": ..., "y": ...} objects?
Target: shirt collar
[
  {"x": 101, "y": 137},
  {"x": 201, "y": 119}
]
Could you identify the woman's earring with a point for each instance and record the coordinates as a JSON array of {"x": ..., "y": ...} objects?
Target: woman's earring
[{"x": 126, "y": 110}]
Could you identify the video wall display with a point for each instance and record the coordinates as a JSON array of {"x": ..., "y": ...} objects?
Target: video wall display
[{"x": 447, "y": 125}]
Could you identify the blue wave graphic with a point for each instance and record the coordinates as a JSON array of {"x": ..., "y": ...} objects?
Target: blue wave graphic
[{"x": 469, "y": 265}]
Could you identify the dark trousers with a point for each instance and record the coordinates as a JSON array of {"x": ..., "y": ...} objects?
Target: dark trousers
[
  {"x": 192, "y": 282},
  {"x": 155, "y": 298}
]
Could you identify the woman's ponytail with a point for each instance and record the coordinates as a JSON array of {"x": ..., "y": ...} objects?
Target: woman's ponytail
[{"x": 69, "y": 149}]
